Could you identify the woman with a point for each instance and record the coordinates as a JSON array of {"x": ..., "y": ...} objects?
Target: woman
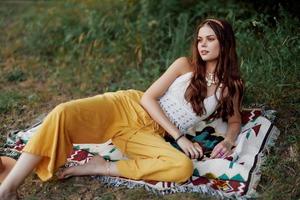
[{"x": 191, "y": 90}]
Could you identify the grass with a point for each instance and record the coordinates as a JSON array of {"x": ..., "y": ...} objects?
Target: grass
[{"x": 54, "y": 51}]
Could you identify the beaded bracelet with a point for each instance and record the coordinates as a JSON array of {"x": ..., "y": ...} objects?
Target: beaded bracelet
[{"x": 179, "y": 138}]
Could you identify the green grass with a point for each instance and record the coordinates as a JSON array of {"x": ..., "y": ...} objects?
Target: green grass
[{"x": 54, "y": 51}]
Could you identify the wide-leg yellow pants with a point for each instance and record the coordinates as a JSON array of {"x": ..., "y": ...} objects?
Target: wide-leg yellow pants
[{"x": 113, "y": 115}]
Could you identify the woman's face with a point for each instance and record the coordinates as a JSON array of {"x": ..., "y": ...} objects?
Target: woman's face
[{"x": 208, "y": 44}]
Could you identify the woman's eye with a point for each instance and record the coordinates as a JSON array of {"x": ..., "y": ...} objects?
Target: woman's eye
[
  {"x": 211, "y": 39},
  {"x": 199, "y": 40}
]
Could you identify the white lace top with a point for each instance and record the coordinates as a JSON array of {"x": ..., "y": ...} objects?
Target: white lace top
[{"x": 178, "y": 110}]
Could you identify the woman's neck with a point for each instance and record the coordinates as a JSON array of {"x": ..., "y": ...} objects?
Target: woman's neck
[{"x": 210, "y": 66}]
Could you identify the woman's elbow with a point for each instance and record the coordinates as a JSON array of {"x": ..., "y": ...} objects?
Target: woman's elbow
[
  {"x": 143, "y": 100},
  {"x": 146, "y": 99}
]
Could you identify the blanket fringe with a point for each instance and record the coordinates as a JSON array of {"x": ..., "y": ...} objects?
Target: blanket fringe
[
  {"x": 10, "y": 153},
  {"x": 203, "y": 189},
  {"x": 262, "y": 157}
]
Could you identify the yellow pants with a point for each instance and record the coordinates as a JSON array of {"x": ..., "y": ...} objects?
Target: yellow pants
[{"x": 113, "y": 115}]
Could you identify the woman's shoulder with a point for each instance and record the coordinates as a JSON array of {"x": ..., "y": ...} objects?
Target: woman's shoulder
[{"x": 183, "y": 65}]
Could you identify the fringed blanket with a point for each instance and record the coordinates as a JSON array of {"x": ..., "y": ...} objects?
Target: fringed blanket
[{"x": 235, "y": 176}]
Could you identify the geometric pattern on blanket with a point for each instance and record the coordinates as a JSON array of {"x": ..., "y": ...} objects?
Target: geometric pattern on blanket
[{"x": 235, "y": 176}]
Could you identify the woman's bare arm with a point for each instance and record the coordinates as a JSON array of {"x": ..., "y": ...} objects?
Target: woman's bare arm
[
  {"x": 234, "y": 127},
  {"x": 150, "y": 98},
  {"x": 234, "y": 124},
  {"x": 150, "y": 102}
]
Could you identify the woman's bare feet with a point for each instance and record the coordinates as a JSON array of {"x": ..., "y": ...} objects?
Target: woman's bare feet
[
  {"x": 6, "y": 164},
  {"x": 96, "y": 166}
]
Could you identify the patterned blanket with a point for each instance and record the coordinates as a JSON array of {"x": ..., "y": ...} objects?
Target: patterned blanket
[{"x": 234, "y": 177}]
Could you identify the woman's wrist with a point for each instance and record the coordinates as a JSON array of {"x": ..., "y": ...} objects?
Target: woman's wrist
[
  {"x": 175, "y": 133},
  {"x": 229, "y": 141},
  {"x": 179, "y": 137}
]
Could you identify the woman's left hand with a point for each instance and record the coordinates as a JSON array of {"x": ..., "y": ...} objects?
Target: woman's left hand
[{"x": 221, "y": 150}]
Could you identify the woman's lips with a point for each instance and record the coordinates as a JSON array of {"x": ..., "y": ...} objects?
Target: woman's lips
[{"x": 204, "y": 52}]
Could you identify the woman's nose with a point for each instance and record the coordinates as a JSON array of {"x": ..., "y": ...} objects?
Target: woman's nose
[{"x": 204, "y": 43}]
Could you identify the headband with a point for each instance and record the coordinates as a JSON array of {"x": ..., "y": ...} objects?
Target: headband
[{"x": 216, "y": 21}]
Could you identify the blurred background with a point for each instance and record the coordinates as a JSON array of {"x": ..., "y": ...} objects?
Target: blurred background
[{"x": 54, "y": 51}]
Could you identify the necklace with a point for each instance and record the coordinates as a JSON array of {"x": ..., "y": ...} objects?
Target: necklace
[{"x": 210, "y": 79}]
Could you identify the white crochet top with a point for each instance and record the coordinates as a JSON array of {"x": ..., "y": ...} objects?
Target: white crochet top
[{"x": 178, "y": 110}]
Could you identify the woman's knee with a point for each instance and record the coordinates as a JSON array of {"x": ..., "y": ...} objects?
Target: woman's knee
[
  {"x": 184, "y": 169},
  {"x": 62, "y": 108},
  {"x": 61, "y": 112}
]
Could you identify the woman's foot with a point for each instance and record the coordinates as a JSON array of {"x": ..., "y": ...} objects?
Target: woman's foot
[
  {"x": 96, "y": 166},
  {"x": 6, "y": 164}
]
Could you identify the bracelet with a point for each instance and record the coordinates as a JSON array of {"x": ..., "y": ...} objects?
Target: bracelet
[
  {"x": 108, "y": 168},
  {"x": 179, "y": 138}
]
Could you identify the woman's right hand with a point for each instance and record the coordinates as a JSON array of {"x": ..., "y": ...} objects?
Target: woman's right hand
[{"x": 192, "y": 150}]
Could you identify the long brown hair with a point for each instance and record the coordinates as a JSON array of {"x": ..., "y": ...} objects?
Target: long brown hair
[{"x": 227, "y": 71}]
